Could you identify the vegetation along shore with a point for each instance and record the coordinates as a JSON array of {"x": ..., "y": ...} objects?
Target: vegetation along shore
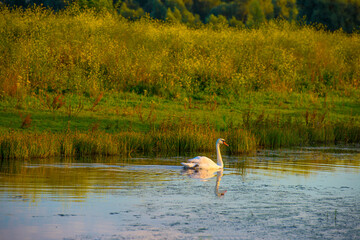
[{"x": 79, "y": 82}]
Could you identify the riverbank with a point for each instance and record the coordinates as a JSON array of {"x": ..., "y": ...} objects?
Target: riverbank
[{"x": 121, "y": 124}]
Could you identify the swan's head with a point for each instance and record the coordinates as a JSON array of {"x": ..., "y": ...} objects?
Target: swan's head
[{"x": 221, "y": 141}]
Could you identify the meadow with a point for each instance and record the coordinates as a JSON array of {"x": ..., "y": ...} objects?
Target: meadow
[{"x": 78, "y": 82}]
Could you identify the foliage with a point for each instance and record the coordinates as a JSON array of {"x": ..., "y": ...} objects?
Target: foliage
[
  {"x": 338, "y": 14},
  {"x": 256, "y": 14},
  {"x": 285, "y": 9},
  {"x": 89, "y": 52}
]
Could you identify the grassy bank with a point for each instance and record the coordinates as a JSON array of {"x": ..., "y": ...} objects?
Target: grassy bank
[
  {"x": 77, "y": 83},
  {"x": 125, "y": 124}
]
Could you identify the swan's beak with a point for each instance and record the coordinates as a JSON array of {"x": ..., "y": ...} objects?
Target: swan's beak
[{"x": 225, "y": 144}]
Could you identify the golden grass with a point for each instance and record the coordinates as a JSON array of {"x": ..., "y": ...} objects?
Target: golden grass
[
  {"x": 171, "y": 138},
  {"x": 85, "y": 51},
  {"x": 177, "y": 137}
]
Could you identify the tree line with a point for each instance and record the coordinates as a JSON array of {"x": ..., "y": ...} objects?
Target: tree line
[{"x": 333, "y": 14}]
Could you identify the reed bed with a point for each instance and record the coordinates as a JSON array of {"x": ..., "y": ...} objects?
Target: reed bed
[
  {"x": 173, "y": 138},
  {"x": 170, "y": 139},
  {"x": 25, "y": 146}
]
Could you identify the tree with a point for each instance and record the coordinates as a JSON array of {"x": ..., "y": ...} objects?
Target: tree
[
  {"x": 217, "y": 22},
  {"x": 256, "y": 14},
  {"x": 98, "y": 5},
  {"x": 285, "y": 9},
  {"x": 267, "y": 8},
  {"x": 55, "y": 4},
  {"x": 158, "y": 10},
  {"x": 233, "y": 22},
  {"x": 128, "y": 13},
  {"x": 203, "y": 7},
  {"x": 180, "y": 12},
  {"x": 173, "y": 16},
  {"x": 334, "y": 14}
]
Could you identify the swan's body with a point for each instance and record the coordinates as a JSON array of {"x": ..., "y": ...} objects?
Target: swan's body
[{"x": 201, "y": 162}]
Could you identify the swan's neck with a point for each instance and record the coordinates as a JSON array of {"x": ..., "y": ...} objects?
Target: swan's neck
[{"x": 218, "y": 155}]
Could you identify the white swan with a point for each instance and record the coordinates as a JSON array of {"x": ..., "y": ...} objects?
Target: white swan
[{"x": 205, "y": 162}]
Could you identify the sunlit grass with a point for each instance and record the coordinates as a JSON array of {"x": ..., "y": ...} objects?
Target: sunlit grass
[
  {"x": 180, "y": 141},
  {"x": 88, "y": 52},
  {"x": 134, "y": 124}
]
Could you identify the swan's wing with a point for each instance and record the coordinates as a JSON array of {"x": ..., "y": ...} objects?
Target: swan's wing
[
  {"x": 189, "y": 165},
  {"x": 200, "y": 162},
  {"x": 192, "y": 163}
]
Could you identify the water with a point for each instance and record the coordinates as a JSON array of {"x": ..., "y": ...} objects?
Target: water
[{"x": 311, "y": 193}]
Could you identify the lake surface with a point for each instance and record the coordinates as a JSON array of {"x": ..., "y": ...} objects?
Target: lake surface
[{"x": 308, "y": 193}]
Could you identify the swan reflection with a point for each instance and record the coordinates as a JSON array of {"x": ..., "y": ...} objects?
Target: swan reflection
[
  {"x": 206, "y": 174},
  {"x": 218, "y": 179}
]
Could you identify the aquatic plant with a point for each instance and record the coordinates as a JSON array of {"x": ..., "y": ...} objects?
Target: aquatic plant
[{"x": 172, "y": 137}]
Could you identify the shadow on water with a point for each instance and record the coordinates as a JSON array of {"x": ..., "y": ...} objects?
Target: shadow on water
[{"x": 299, "y": 194}]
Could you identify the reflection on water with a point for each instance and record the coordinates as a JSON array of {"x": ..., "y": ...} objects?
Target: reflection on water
[
  {"x": 202, "y": 174},
  {"x": 305, "y": 193},
  {"x": 205, "y": 174}
]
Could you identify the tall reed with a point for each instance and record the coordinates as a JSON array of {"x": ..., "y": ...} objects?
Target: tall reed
[{"x": 174, "y": 138}]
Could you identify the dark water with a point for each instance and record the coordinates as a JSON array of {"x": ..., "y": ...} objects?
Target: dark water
[{"x": 311, "y": 193}]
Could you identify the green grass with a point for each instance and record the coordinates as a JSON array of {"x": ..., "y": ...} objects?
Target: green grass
[
  {"x": 75, "y": 83},
  {"x": 117, "y": 111},
  {"x": 119, "y": 126}
]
